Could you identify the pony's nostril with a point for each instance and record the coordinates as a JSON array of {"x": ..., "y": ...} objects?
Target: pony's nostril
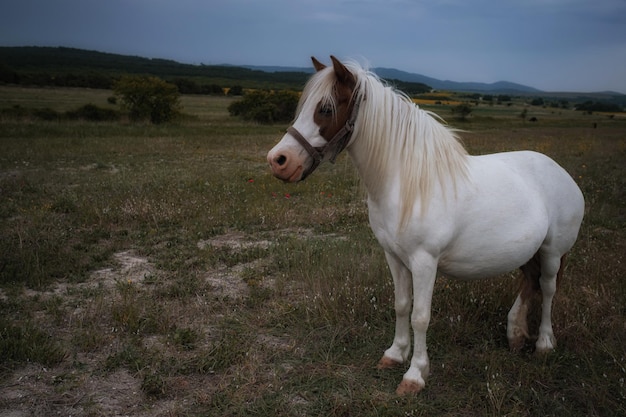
[{"x": 281, "y": 160}]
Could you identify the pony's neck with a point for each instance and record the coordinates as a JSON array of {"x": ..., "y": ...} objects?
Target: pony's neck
[
  {"x": 400, "y": 148},
  {"x": 369, "y": 177}
]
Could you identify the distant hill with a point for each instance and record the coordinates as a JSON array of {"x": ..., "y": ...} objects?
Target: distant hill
[
  {"x": 47, "y": 65},
  {"x": 409, "y": 83},
  {"x": 501, "y": 87},
  {"x": 84, "y": 68}
]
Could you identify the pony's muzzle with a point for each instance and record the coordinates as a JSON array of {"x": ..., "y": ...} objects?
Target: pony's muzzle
[{"x": 283, "y": 167}]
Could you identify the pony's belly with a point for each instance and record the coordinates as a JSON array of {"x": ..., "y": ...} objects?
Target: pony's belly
[
  {"x": 469, "y": 265},
  {"x": 472, "y": 271}
]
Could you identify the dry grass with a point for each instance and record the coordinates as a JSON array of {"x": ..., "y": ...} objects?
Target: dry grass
[{"x": 161, "y": 271}]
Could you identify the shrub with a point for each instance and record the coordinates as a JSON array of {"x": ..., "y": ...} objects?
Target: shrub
[
  {"x": 212, "y": 89},
  {"x": 46, "y": 114},
  {"x": 236, "y": 90},
  {"x": 148, "y": 98},
  {"x": 591, "y": 106},
  {"x": 92, "y": 113},
  {"x": 89, "y": 112},
  {"x": 15, "y": 112},
  {"x": 462, "y": 110},
  {"x": 537, "y": 102}
]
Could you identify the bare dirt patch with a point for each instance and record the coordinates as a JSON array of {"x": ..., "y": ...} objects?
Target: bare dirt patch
[
  {"x": 34, "y": 390},
  {"x": 235, "y": 241},
  {"x": 129, "y": 267},
  {"x": 77, "y": 387}
]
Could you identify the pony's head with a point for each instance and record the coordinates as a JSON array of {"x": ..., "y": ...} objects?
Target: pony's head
[{"x": 323, "y": 126}]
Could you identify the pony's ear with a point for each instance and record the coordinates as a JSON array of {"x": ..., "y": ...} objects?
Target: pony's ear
[
  {"x": 343, "y": 74},
  {"x": 317, "y": 65}
]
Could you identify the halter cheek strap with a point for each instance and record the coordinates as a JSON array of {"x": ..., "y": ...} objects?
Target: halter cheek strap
[
  {"x": 317, "y": 153},
  {"x": 335, "y": 145}
]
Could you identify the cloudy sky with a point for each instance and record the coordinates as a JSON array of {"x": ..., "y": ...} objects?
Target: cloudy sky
[{"x": 553, "y": 45}]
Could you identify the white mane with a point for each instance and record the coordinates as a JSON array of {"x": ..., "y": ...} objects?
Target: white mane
[{"x": 395, "y": 133}]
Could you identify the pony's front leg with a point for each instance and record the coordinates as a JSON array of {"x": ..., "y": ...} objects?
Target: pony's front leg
[
  {"x": 401, "y": 347},
  {"x": 424, "y": 269}
]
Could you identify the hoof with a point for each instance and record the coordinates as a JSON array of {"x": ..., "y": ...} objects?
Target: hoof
[
  {"x": 517, "y": 337},
  {"x": 409, "y": 387},
  {"x": 545, "y": 345},
  {"x": 387, "y": 363},
  {"x": 542, "y": 351},
  {"x": 516, "y": 344}
]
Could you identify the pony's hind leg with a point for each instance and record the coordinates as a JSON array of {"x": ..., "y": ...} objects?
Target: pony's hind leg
[
  {"x": 551, "y": 271},
  {"x": 517, "y": 325}
]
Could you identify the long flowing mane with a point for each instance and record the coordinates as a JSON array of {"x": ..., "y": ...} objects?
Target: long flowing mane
[{"x": 397, "y": 136}]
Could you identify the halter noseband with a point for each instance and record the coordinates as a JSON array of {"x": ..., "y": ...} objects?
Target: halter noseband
[{"x": 335, "y": 145}]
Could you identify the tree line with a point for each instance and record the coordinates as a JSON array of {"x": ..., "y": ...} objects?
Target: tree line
[
  {"x": 105, "y": 81},
  {"x": 69, "y": 67}
]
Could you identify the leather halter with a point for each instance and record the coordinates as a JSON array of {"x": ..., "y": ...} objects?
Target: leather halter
[{"x": 335, "y": 145}]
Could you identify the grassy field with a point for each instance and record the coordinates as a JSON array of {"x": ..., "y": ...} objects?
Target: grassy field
[{"x": 161, "y": 271}]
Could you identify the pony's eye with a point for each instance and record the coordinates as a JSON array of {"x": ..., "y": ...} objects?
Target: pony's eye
[{"x": 325, "y": 111}]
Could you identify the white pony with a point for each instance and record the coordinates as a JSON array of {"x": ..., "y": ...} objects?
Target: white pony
[{"x": 432, "y": 206}]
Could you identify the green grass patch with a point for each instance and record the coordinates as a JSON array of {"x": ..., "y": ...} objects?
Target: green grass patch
[
  {"x": 26, "y": 342},
  {"x": 167, "y": 264}
]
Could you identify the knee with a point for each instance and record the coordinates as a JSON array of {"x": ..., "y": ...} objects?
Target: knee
[
  {"x": 547, "y": 284},
  {"x": 420, "y": 321},
  {"x": 550, "y": 265},
  {"x": 403, "y": 306}
]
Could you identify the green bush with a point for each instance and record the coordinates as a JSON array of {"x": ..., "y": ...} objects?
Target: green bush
[
  {"x": 236, "y": 90},
  {"x": 16, "y": 112},
  {"x": 591, "y": 106},
  {"x": 462, "y": 111},
  {"x": 266, "y": 106},
  {"x": 89, "y": 112},
  {"x": 147, "y": 97},
  {"x": 92, "y": 113},
  {"x": 46, "y": 114}
]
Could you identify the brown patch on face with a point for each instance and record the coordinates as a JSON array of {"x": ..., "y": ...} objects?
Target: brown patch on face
[{"x": 331, "y": 119}]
